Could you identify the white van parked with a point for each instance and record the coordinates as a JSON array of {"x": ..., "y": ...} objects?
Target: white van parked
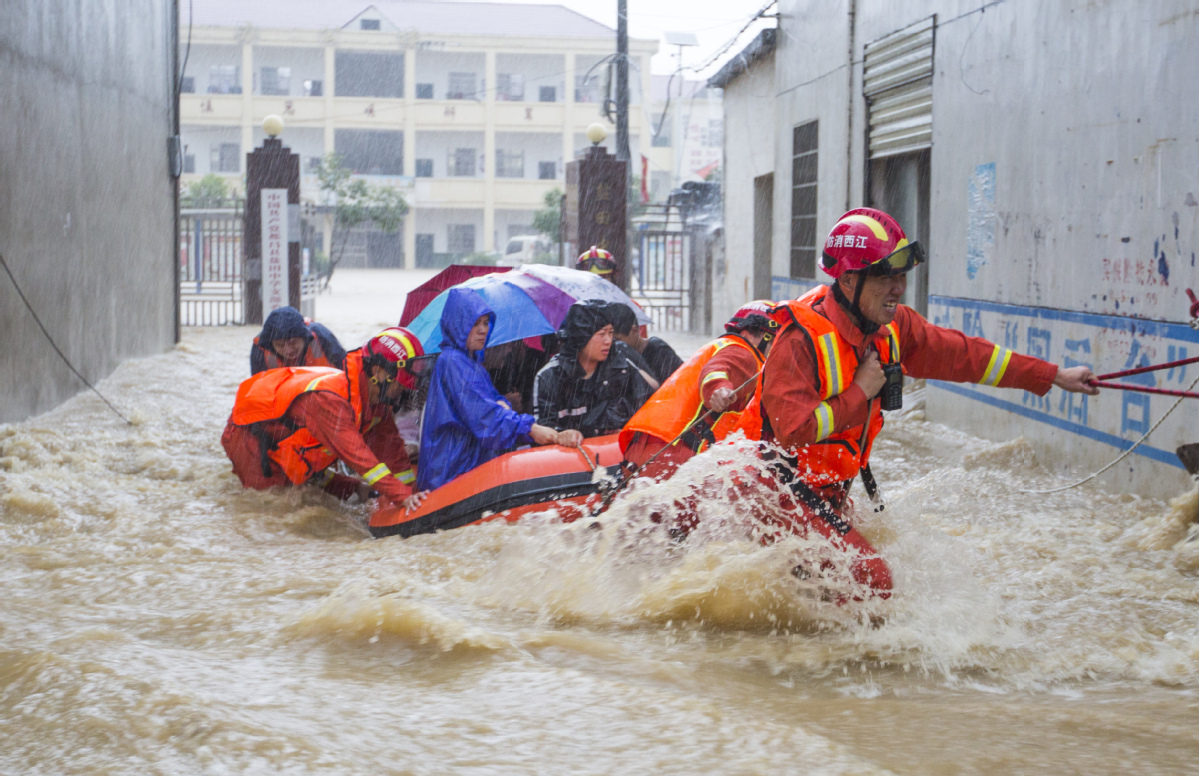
[{"x": 524, "y": 249}]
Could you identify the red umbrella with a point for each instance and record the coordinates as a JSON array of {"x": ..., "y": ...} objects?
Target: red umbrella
[{"x": 419, "y": 297}]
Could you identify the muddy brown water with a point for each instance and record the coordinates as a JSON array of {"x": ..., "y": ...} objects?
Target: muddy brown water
[{"x": 157, "y": 618}]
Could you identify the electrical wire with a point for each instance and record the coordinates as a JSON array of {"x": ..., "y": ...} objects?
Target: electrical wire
[
  {"x": 61, "y": 355},
  {"x": 187, "y": 52},
  {"x": 1122, "y": 456}
]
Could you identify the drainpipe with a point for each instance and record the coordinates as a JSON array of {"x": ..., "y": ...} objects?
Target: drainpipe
[{"x": 853, "y": 12}]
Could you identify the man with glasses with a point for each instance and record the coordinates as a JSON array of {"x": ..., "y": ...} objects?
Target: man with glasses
[{"x": 839, "y": 361}]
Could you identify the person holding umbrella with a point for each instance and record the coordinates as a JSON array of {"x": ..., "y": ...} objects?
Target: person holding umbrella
[{"x": 466, "y": 420}]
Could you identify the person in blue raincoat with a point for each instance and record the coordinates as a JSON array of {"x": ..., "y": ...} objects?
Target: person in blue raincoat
[{"x": 466, "y": 420}]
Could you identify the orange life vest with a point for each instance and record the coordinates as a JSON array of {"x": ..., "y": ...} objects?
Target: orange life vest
[
  {"x": 834, "y": 456},
  {"x": 679, "y": 402},
  {"x": 268, "y": 395},
  {"x": 314, "y": 355}
]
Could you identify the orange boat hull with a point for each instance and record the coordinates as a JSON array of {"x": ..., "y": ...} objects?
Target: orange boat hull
[{"x": 505, "y": 488}]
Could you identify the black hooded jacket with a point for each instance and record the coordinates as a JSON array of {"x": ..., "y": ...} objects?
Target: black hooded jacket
[{"x": 601, "y": 404}]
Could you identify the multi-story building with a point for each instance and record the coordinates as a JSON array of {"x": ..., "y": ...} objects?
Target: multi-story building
[
  {"x": 688, "y": 124},
  {"x": 470, "y": 109}
]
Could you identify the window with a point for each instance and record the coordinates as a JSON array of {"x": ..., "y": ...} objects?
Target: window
[
  {"x": 368, "y": 24},
  {"x": 224, "y": 157},
  {"x": 424, "y": 250},
  {"x": 461, "y": 162},
  {"x": 509, "y": 87},
  {"x": 424, "y": 168},
  {"x": 547, "y": 171},
  {"x": 586, "y": 89},
  {"x": 314, "y": 163},
  {"x": 662, "y": 139},
  {"x": 314, "y": 88},
  {"x": 461, "y": 238},
  {"x": 547, "y": 94},
  {"x": 189, "y": 162},
  {"x": 424, "y": 91},
  {"x": 804, "y": 160},
  {"x": 368, "y": 74},
  {"x": 187, "y": 84},
  {"x": 224, "y": 79},
  {"x": 276, "y": 80},
  {"x": 461, "y": 86},
  {"x": 509, "y": 164},
  {"x": 371, "y": 152},
  {"x": 715, "y": 135}
]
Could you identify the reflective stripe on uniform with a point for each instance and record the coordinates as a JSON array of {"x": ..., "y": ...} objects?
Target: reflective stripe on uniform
[
  {"x": 377, "y": 473},
  {"x": 407, "y": 476},
  {"x": 827, "y": 346},
  {"x": 715, "y": 376},
  {"x": 824, "y": 421},
  {"x": 996, "y": 366},
  {"x": 312, "y": 384}
]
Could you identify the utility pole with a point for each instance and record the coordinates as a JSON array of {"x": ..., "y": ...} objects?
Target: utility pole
[{"x": 622, "y": 81}]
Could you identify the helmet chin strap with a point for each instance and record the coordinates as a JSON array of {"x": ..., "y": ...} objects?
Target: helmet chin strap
[{"x": 854, "y": 308}]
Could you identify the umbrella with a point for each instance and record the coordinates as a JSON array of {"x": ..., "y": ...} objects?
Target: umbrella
[
  {"x": 419, "y": 297},
  {"x": 581, "y": 285}
]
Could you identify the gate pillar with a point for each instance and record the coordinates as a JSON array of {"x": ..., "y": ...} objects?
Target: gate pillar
[{"x": 272, "y": 167}]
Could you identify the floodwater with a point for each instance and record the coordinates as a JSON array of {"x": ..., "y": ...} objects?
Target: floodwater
[{"x": 157, "y": 618}]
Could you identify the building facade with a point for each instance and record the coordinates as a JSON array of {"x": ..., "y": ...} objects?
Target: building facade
[
  {"x": 1045, "y": 154},
  {"x": 470, "y": 109}
]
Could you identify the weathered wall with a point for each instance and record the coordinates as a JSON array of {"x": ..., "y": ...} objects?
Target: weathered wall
[
  {"x": 751, "y": 153},
  {"x": 1073, "y": 125},
  {"x": 86, "y": 201}
]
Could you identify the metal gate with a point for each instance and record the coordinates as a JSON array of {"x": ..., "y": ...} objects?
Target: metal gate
[
  {"x": 210, "y": 266},
  {"x": 663, "y": 280}
]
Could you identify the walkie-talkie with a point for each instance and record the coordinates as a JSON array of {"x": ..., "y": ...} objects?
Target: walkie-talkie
[{"x": 892, "y": 392}]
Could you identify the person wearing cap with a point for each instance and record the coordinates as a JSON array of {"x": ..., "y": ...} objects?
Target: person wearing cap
[
  {"x": 597, "y": 261},
  {"x": 588, "y": 389},
  {"x": 288, "y": 339},
  {"x": 702, "y": 401},
  {"x": 290, "y": 425},
  {"x": 652, "y": 354},
  {"x": 821, "y": 391},
  {"x": 467, "y": 422}
]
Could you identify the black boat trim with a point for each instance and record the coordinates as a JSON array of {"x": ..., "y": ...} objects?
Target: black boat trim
[{"x": 501, "y": 497}]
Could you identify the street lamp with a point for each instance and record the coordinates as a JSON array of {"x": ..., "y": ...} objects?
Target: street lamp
[
  {"x": 596, "y": 133},
  {"x": 272, "y": 125}
]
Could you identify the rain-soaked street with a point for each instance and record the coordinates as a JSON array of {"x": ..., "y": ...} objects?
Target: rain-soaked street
[{"x": 158, "y": 618}]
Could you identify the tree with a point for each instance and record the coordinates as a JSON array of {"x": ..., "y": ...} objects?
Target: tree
[
  {"x": 209, "y": 191},
  {"x": 548, "y": 221},
  {"x": 355, "y": 203}
]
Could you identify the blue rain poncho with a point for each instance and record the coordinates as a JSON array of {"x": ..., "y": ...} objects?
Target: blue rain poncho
[{"x": 466, "y": 420}]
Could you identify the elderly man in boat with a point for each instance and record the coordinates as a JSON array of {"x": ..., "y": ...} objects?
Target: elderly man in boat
[{"x": 467, "y": 422}]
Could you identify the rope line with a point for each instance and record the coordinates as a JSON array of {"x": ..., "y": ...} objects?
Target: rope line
[
  {"x": 50, "y": 339},
  {"x": 1122, "y": 456}
]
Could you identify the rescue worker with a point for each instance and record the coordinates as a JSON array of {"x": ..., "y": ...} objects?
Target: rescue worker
[
  {"x": 587, "y": 389},
  {"x": 596, "y": 260},
  {"x": 289, "y": 425},
  {"x": 287, "y": 339},
  {"x": 653, "y": 353},
  {"x": 466, "y": 420},
  {"x": 818, "y": 396},
  {"x": 717, "y": 382}
]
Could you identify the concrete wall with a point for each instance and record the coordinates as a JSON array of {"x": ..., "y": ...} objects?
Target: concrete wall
[
  {"x": 86, "y": 201},
  {"x": 748, "y": 152},
  {"x": 1063, "y": 207}
]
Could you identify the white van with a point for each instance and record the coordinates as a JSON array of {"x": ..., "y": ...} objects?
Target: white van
[{"x": 524, "y": 249}]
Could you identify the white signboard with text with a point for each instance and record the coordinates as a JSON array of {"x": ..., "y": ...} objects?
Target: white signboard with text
[{"x": 274, "y": 250}]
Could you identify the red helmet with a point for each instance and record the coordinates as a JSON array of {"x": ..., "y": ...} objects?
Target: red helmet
[
  {"x": 865, "y": 239},
  {"x": 399, "y": 352},
  {"x": 758, "y": 314},
  {"x": 596, "y": 260}
]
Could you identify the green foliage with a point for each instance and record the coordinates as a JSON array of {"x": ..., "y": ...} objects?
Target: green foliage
[
  {"x": 210, "y": 191},
  {"x": 478, "y": 259},
  {"x": 548, "y": 221},
  {"x": 355, "y": 203}
]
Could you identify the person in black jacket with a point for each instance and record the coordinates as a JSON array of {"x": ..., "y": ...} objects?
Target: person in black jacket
[
  {"x": 653, "y": 354},
  {"x": 588, "y": 389}
]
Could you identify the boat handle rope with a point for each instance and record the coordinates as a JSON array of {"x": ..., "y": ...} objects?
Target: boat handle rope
[{"x": 587, "y": 458}]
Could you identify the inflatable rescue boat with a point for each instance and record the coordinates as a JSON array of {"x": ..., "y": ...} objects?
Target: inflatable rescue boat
[{"x": 505, "y": 488}]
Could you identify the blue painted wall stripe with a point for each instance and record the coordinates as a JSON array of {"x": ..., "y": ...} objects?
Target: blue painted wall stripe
[
  {"x": 1153, "y": 453},
  {"x": 1164, "y": 329}
]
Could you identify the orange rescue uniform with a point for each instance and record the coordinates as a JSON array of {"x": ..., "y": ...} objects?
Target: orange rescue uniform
[
  {"x": 728, "y": 362},
  {"x": 807, "y": 403},
  {"x": 289, "y": 425}
]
